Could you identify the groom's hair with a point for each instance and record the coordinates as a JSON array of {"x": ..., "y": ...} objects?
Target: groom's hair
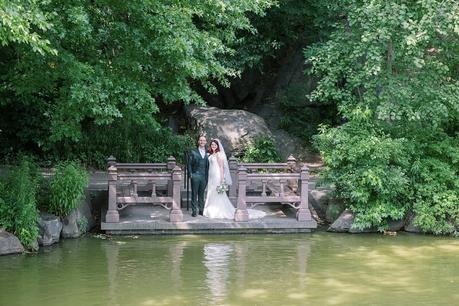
[
  {"x": 199, "y": 137},
  {"x": 210, "y": 149}
]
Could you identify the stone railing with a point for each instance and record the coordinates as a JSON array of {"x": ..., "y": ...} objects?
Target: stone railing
[
  {"x": 274, "y": 179},
  {"x": 124, "y": 177}
]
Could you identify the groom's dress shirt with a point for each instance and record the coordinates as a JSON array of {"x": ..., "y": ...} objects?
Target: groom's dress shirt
[{"x": 203, "y": 152}]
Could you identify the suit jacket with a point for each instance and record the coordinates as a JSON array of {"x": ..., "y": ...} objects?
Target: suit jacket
[{"x": 196, "y": 163}]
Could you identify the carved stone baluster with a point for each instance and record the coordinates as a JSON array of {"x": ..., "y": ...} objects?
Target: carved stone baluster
[
  {"x": 282, "y": 184},
  {"x": 112, "y": 215},
  {"x": 303, "y": 213},
  {"x": 134, "y": 188},
  {"x": 263, "y": 192},
  {"x": 176, "y": 214},
  {"x": 171, "y": 164},
  {"x": 232, "y": 161},
  {"x": 153, "y": 189},
  {"x": 241, "y": 213}
]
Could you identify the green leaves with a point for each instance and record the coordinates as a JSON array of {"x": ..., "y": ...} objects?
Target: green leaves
[
  {"x": 66, "y": 188},
  {"x": 395, "y": 80},
  {"x": 19, "y": 18},
  {"x": 117, "y": 60},
  {"x": 18, "y": 209},
  {"x": 263, "y": 150}
]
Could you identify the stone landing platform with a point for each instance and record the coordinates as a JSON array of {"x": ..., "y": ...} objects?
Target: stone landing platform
[{"x": 147, "y": 219}]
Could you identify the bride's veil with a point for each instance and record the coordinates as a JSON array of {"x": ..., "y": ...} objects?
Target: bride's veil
[{"x": 226, "y": 172}]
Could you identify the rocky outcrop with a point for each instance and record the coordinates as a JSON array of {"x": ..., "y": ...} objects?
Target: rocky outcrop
[
  {"x": 9, "y": 244},
  {"x": 235, "y": 128},
  {"x": 318, "y": 198},
  {"x": 410, "y": 226},
  {"x": 396, "y": 225},
  {"x": 79, "y": 221},
  {"x": 334, "y": 210},
  {"x": 343, "y": 223},
  {"x": 50, "y": 229}
]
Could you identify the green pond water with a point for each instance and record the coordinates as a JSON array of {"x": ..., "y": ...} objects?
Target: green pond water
[{"x": 307, "y": 269}]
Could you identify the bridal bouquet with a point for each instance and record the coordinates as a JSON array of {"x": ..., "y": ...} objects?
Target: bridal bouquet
[{"x": 222, "y": 188}]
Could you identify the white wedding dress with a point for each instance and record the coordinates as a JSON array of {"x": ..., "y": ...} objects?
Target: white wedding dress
[{"x": 218, "y": 205}]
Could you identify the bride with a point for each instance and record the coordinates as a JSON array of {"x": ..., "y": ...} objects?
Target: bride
[{"x": 218, "y": 205}]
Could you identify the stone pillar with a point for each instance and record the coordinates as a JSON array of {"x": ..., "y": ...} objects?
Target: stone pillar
[
  {"x": 232, "y": 161},
  {"x": 112, "y": 215},
  {"x": 291, "y": 162},
  {"x": 176, "y": 214},
  {"x": 303, "y": 213},
  {"x": 171, "y": 163},
  {"x": 241, "y": 213}
]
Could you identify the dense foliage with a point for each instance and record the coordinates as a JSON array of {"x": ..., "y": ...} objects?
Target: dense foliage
[
  {"x": 18, "y": 18},
  {"x": 66, "y": 188},
  {"x": 394, "y": 78},
  {"x": 88, "y": 79},
  {"x": 300, "y": 117},
  {"x": 263, "y": 150},
  {"x": 18, "y": 208},
  {"x": 116, "y": 62}
]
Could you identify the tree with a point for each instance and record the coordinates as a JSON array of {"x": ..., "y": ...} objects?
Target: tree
[
  {"x": 394, "y": 78},
  {"x": 116, "y": 62},
  {"x": 18, "y": 18}
]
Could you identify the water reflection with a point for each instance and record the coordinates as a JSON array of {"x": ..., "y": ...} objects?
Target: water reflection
[
  {"x": 176, "y": 254},
  {"x": 321, "y": 269},
  {"x": 217, "y": 258}
]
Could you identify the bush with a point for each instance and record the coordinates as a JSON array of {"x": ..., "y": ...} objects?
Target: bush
[
  {"x": 381, "y": 177},
  {"x": 66, "y": 188},
  {"x": 127, "y": 141},
  {"x": 263, "y": 150},
  {"x": 18, "y": 209}
]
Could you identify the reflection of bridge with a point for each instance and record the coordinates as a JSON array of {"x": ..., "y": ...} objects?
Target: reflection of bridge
[
  {"x": 188, "y": 271},
  {"x": 147, "y": 197}
]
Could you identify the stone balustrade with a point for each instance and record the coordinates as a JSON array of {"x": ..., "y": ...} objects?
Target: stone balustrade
[
  {"x": 274, "y": 179},
  {"x": 253, "y": 184},
  {"x": 128, "y": 176}
]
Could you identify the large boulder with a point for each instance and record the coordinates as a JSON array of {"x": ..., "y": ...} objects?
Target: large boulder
[
  {"x": 80, "y": 220},
  {"x": 396, "y": 225},
  {"x": 318, "y": 198},
  {"x": 50, "y": 229},
  {"x": 9, "y": 244},
  {"x": 334, "y": 209},
  {"x": 343, "y": 223},
  {"x": 410, "y": 226},
  {"x": 234, "y": 127}
]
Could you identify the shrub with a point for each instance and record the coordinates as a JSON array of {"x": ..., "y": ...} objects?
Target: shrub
[
  {"x": 83, "y": 224},
  {"x": 381, "y": 177},
  {"x": 128, "y": 142},
  {"x": 66, "y": 188},
  {"x": 18, "y": 209},
  {"x": 263, "y": 150}
]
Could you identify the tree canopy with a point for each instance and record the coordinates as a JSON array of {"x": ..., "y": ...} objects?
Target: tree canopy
[
  {"x": 392, "y": 69},
  {"x": 108, "y": 60}
]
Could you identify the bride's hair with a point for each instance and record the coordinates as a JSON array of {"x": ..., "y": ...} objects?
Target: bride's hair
[{"x": 210, "y": 149}]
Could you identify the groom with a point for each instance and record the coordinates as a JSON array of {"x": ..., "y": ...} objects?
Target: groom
[{"x": 198, "y": 168}]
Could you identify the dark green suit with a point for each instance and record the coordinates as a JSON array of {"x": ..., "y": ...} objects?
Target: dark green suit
[{"x": 198, "y": 168}]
